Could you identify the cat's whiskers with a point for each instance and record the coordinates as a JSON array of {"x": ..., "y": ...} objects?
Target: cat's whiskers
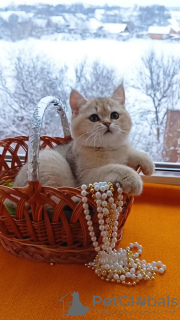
[
  {"x": 93, "y": 134},
  {"x": 95, "y": 138},
  {"x": 75, "y": 141}
]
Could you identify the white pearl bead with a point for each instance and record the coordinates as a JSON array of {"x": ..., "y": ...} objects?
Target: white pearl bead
[
  {"x": 88, "y": 217},
  {"x": 111, "y": 200},
  {"x": 83, "y": 187},
  {"x": 100, "y": 215},
  {"x": 98, "y": 202},
  {"x": 153, "y": 264},
  {"x": 120, "y": 203},
  {"x": 119, "y": 190},
  {"x": 96, "y": 187},
  {"x": 102, "y": 188},
  {"x": 99, "y": 209},
  {"x": 95, "y": 244},
  {"x": 136, "y": 255},
  {"x": 107, "y": 187},
  {"x": 101, "y": 221},
  {"x": 133, "y": 276},
  {"x": 116, "y": 277},
  {"x": 155, "y": 269},
  {"x": 90, "y": 228},
  {"x": 105, "y": 210},
  {"x": 140, "y": 247},
  {"x": 98, "y": 195},
  {"x": 136, "y": 244},
  {"x": 84, "y": 199},
  {"x": 83, "y": 193},
  {"x": 86, "y": 211},
  {"x": 119, "y": 209},
  {"x": 109, "y": 193},
  {"x": 113, "y": 206},
  {"x": 91, "y": 234},
  {"x": 104, "y": 203},
  {"x": 89, "y": 223},
  {"x": 85, "y": 206},
  {"x": 143, "y": 262},
  {"x": 164, "y": 266},
  {"x": 104, "y": 195},
  {"x": 161, "y": 270},
  {"x": 139, "y": 276},
  {"x": 101, "y": 227},
  {"x": 120, "y": 196},
  {"x": 104, "y": 233},
  {"x": 117, "y": 184},
  {"x": 97, "y": 249},
  {"x": 114, "y": 234},
  {"x": 93, "y": 239},
  {"x": 159, "y": 264},
  {"x": 128, "y": 274},
  {"x": 115, "y": 228},
  {"x": 132, "y": 270},
  {"x": 122, "y": 277},
  {"x": 140, "y": 251},
  {"x": 115, "y": 223},
  {"x": 131, "y": 245}
]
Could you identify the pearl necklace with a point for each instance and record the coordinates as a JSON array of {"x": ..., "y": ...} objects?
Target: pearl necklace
[{"x": 111, "y": 264}]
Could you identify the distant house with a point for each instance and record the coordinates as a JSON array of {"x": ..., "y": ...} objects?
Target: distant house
[
  {"x": 57, "y": 23},
  {"x": 113, "y": 30},
  {"x": 93, "y": 25},
  {"x": 175, "y": 27},
  {"x": 171, "y": 149},
  {"x": 99, "y": 14},
  {"x": 159, "y": 33}
]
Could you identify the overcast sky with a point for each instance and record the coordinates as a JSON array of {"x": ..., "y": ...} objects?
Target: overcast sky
[{"x": 125, "y": 3}]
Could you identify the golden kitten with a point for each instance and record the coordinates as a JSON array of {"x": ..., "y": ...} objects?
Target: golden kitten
[{"x": 100, "y": 149}]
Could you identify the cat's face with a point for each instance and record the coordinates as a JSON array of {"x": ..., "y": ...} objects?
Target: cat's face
[{"x": 100, "y": 122}]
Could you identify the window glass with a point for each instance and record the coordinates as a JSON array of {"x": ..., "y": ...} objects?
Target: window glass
[{"x": 50, "y": 47}]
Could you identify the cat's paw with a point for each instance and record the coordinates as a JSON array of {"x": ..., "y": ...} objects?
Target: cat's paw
[
  {"x": 146, "y": 164},
  {"x": 132, "y": 183}
]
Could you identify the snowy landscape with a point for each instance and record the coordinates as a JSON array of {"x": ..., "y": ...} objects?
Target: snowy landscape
[{"x": 48, "y": 49}]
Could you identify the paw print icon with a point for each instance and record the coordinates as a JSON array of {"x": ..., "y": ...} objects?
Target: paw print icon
[{"x": 140, "y": 301}]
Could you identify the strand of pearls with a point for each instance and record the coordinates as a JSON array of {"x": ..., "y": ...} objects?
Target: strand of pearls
[{"x": 110, "y": 264}]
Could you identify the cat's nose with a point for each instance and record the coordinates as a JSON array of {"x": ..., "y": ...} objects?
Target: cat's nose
[{"x": 107, "y": 124}]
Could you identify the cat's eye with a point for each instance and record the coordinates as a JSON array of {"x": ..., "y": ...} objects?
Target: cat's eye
[
  {"x": 94, "y": 118},
  {"x": 114, "y": 115}
]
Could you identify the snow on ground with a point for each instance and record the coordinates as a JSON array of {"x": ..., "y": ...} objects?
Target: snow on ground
[{"x": 124, "y": 56}]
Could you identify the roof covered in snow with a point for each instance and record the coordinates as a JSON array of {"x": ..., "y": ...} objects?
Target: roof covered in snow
[
  {"x": 94, "y": 24},
  {"x": 57, "y": 20},
  {"x": 159, "y": 30},
  {"x": 114, "y": 27}
]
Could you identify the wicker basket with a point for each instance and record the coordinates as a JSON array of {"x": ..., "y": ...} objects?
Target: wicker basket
[{"x": 42, "y": 229}]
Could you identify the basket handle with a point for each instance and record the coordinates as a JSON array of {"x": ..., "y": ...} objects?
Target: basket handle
[{"x": 35, "y": 130}]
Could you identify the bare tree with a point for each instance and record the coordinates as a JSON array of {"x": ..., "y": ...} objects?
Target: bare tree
[
  {"x": 158, "y": 77},
  {"x": 96, "y": 79},
  {"x": 27, "y": 80}
]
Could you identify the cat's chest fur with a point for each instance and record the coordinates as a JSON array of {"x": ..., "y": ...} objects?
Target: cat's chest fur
[{"x": 97, "y": 157}]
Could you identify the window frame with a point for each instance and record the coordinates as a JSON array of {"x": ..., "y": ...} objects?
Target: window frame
[{"x": 165, "y": 172}]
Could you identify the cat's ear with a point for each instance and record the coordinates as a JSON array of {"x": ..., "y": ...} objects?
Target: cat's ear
[
  {"x": 76, "y": 101},
  {"x": 119, "y": 95}
]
